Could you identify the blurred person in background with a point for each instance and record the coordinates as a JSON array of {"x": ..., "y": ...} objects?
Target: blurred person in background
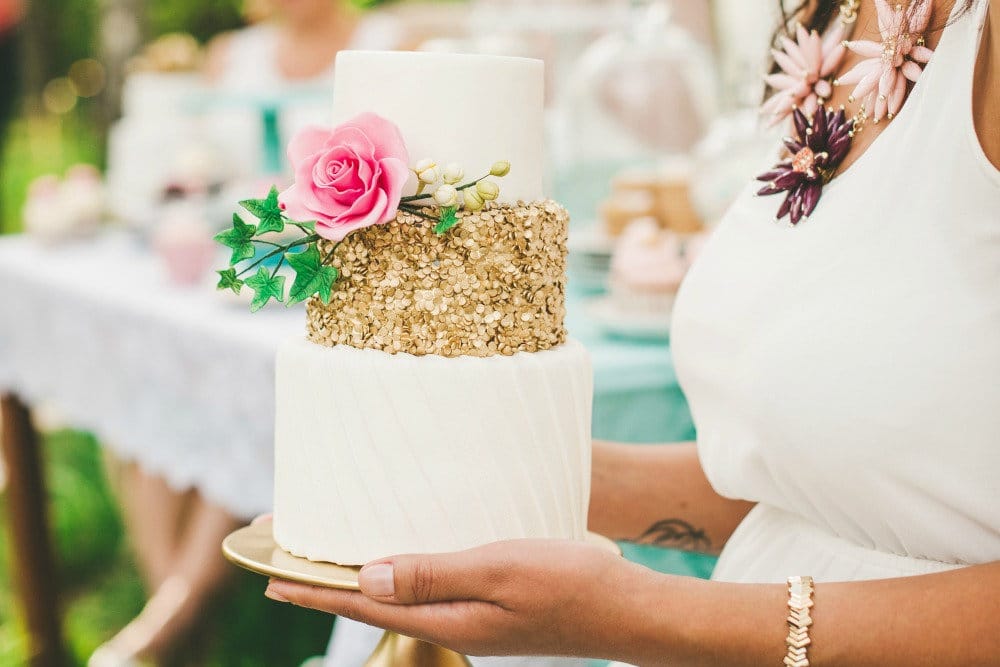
[
  {"x": 282, "y": 64},
  {"x": 286, "y": 41}
]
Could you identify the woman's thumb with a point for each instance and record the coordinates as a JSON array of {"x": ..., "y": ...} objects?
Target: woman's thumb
[{"x": 420, "y": 579}]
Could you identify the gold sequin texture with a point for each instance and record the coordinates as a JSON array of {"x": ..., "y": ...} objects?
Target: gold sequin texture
[{"x": 495, "y": 283}]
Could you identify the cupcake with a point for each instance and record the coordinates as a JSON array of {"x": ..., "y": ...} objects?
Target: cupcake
[
  {"x": 647, "y": 268},
  {"x": 44, "y": 214},
  {"x": 83, "y": 192},
  {"x": 184, "y": 243}
]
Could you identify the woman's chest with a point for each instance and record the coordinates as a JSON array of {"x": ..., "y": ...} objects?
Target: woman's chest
[{"x": 856, "y": 326}]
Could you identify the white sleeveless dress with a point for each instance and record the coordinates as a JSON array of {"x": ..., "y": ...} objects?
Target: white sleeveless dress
[{"x": 845, "y": 373}]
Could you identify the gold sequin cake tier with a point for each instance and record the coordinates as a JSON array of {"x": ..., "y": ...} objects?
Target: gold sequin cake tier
[{"x": 493, "y": 284}]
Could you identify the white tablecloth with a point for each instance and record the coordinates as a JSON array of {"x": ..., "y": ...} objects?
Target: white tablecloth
[{"x": 179, "y": 379}]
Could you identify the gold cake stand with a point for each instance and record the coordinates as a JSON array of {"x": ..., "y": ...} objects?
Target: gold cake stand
[{"x": 254, "y": 549}]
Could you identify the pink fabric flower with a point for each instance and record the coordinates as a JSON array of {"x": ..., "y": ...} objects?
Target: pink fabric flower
[
  {"x": 806, "y": 65},
  {"x": 347, "y": 178},
  {"x": 881, "y": 79}
]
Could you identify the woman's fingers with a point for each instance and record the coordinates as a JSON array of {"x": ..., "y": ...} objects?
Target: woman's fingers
[
  {"x": 459, "y": 619},
  {"x": 261, "y": 518},
  {"x": 420, "y": 579},
  {"x": 529, "y": 596}
]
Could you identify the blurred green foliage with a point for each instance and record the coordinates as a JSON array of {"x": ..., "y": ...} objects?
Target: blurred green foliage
[
  {"x": 43, "y": 145},
  {"x": 102, "y": 590},
  {"x": 202, "y": 19},
  {"x": 70, "y": 33},
  {"x": 84, "y": 518},
  {"x": 71, "y": 26}
]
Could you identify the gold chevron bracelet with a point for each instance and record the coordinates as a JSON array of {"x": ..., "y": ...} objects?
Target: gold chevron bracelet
[{"x": 800, "y": 594}]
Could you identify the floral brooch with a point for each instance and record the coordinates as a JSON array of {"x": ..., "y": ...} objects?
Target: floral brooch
[
  {"x": 819, "y": 146},
  {"x": 881, "y": 79},
  {"x": 806, "y": 66}
]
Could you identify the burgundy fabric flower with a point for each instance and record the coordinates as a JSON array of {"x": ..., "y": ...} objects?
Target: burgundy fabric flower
[{"x": 816, "y": 150}]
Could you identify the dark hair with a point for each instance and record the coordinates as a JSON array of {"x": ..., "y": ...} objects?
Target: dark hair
[{"x": 817, "y": 14}]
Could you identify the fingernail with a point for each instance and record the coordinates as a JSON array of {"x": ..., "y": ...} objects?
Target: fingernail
[
  {"x": 377, "y": 580},
  {"x": 271, "y": 593}
]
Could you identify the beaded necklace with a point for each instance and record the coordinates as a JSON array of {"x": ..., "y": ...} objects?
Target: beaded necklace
[{"x": 821, "y": 136}]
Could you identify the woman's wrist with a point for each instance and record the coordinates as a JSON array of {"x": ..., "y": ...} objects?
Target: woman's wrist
[
  {"x": 631, "y": 617},
  {"x": 681, "y": 620},
  {"x": 676, "y": 622}
]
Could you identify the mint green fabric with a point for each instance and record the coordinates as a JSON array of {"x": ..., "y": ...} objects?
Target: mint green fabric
[{"x": 637, "y": 400}]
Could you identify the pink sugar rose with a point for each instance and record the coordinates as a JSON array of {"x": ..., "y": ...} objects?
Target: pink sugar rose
[{"x": 347, "y": 178}]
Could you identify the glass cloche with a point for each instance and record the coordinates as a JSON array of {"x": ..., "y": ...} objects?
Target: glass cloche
[{"x": 635, "y": 96}]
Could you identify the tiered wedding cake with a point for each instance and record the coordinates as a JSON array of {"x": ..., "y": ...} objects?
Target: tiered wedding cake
[{"x": 436, "y": 403}]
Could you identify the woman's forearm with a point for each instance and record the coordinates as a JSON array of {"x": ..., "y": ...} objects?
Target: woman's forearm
[
  {"x": 658, "y": 494},
  {"x": 936, "y": 620}
]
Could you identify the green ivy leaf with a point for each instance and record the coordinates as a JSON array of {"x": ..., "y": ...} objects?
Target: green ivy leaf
[
  {"x": 267, "y": 211},
  {"x": 265, "y": 287},
  {"x": 228, "y": 280},
  {"x": 449, "y": 218},
  {"x": 311, "y": 276},
  {"x": 238, "y": 238}
]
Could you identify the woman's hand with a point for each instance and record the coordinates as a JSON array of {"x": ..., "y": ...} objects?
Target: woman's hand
[{"x": 524, "y": 597}]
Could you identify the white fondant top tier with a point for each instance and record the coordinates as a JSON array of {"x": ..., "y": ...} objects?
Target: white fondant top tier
[{"x": 469, "y": 109}]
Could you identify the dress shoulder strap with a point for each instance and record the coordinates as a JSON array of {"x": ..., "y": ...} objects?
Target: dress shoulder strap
[
  {"x": 981, "y": 6},
  {"x": 972, "y": 37}
]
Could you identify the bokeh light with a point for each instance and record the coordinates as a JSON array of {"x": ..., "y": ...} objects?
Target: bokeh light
[
  {"x": 87, "y": 76},
  {"x": 59, "y": 95}
]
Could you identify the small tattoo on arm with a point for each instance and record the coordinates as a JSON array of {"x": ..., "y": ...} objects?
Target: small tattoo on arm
[{"x": 676, "y": 534}]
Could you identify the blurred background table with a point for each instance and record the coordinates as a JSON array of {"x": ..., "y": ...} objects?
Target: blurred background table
[{"x": 151, "y": 377}]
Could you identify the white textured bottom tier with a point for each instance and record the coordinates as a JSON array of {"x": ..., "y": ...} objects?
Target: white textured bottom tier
[{"x": 379, "y": 454}]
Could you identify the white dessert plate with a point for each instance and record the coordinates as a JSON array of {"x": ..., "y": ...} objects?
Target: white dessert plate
[
  {"x": 253, "y": 548},
  {"x": 614, "y": 320}
]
